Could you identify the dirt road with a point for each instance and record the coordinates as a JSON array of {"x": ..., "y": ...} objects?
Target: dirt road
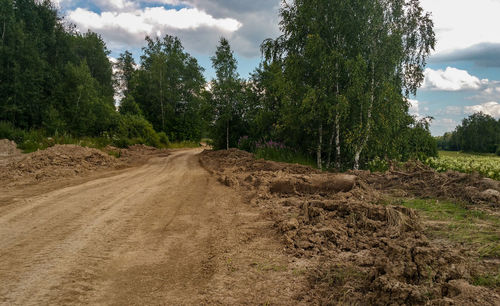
[{"x": 163, "y": 233}]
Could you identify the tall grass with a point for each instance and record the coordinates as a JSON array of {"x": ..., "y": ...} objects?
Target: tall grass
[{"x": 284, "y": 155}]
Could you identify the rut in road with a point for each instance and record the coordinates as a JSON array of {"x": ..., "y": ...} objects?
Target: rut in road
[{"x": 162, "y": 233}]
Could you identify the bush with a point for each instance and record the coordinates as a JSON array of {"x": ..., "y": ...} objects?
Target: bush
[
  {"x": 378, "y": 165},
  {"x": 498, "y": 150},
  {"x": 35, "y": 140},
  {"x": 138, "y": 130},
  {"x": 277, "y": 151},
  {"x": 246, "y": 144},
  {"x": 163, "y": 139},
  {"x": 10, "y": 132}
]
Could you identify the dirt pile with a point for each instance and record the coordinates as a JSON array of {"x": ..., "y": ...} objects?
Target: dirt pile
[
  {"x": 368, "y": 252},
  {"x": 57, "y": 162},
  {"x": 135, "y": 154},
  {"x": 419, "y": 180},
  {"x": 8, "y": 148},
  {"x": 8, "y": 152}
]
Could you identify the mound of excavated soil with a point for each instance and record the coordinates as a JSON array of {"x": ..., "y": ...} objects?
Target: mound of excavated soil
[
  {"x": 419, "y": 180},
  {"x": 8, "y": 152},
  {"x": 136, "y": 153},
  {"x": 359, "y": 252},
  {"x": 57, "y": 162},
  {"x": 8, "y": 148}
]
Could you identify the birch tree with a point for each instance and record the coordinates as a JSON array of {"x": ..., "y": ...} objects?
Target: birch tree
[
  {"x": 226, "y": 89},
  {"x": 348, "y": 59}
]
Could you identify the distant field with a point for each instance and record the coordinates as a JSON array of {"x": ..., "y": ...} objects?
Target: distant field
[{"x": 486, "y": 164}]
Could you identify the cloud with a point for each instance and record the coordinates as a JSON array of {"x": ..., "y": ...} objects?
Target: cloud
[
  {"x": 146, "y": 20},
  {"x": 451, "y": 79},
  {"x": 414, "y": 108},
  {"x": 460, "y": 24},
  {"x": 488, "y": 92},
  {"x": 198, "y": 23},
  {"x": 453, "y": 110},
  {"x": 439, "y": 126},
  {"x": 115, "y": 4},
  {"x": 490, "y": 108},
  {"x": 129, "y": 28},
  {"x": 483, "y": 55},
  {"x": 259, "y": 19}
]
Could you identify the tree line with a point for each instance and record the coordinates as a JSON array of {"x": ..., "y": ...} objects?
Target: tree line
[
  {"x": 333, "y": 87},
  {"x": 478, "y": 133}
]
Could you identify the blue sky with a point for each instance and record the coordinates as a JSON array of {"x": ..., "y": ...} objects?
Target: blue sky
[{"x": 462, "y": 76}]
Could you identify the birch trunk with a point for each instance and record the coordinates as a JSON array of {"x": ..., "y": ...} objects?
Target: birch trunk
[
  {"x": 3, "y": 32},
  {"x": 227, "y": 135},
  {"x": 337, "y": 126},
  {"x": 161, "y": 101},
  {"x": 330, "y": 148},
  {"x": 337, "y": 141},
  {"x": 320, "y": 145},
  {"x": 363, "y": 143}
]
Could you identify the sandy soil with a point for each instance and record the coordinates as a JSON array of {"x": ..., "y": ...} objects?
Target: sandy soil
[
  {"x": 162, "y": 233},
  {"x": 359, "y": 248}
]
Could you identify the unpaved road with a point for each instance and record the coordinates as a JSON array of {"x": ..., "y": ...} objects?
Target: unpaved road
[{"x": 160, "y": 234}]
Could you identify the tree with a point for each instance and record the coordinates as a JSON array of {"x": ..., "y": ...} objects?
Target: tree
[
  {"x": 478, "y": 133},
  {"x": 91, "y": 48},
  {"x": 129, "y": 106},
  {"x": 344, "y": 62},
  {"x": 125, "y": 70},
  {"x": 226, "y": 89},
  {"x": 168, "y": 88}
]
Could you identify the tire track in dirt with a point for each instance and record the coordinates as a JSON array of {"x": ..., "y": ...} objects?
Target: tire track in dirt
[{"x": 161, "y": 233}]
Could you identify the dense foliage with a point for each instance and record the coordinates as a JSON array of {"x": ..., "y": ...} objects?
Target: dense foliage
[
  {"x": 56, "y": 81},
  {"x": 477, "y": 133},
  {"x": 335, "y": 84},
  {"x": 331, "y": 91},
  {"x": 52, "y": 77},
  {"x": 168, "y": 88}
]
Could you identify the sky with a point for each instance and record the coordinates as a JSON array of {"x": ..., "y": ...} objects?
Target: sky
[{"x": 462, "y": 76}]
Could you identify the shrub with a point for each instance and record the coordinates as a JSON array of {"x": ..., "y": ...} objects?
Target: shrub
[
  {"x": 246, "y": 144},
  {"x": 35, "y": 140},
  {"x": 498, "y": 150},
  {"x": 272, "y": 150},
  {"x": 378, "y": 165},
  {"x": 163, "y": 139},
  {"x": 122, "y": 142},
  {"x": 10, "y": 132},
  {"x": 139, "y": 130}
]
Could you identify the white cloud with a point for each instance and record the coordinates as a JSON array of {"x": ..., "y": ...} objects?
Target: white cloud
[
  {"x": 451, "y": 79},
  {"x": 490, "y": 108},
  {"x": 453, "y": 110},
  {"x": 414, "y": 108},
  {"x": 115, "y": 4},
  {"x": 463, "y": 23},
  {"x": 439, "y": 126},
  {"x": 149, "y": 19}
]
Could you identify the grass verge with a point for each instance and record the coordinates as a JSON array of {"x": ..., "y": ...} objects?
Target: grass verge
[
  {"x": 476, "y": 229},
  {"x": 454, "y": 222},
  {"x": 285, "y": 156}
]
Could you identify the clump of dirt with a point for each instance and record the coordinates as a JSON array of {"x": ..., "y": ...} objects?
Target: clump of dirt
[
  {"x": 135, "y": 154},
  {"x": 62, "y": 161},
  {"x": 368, "y": 252},
  {"x": 8, "y": 152},
  {"x": 419, "y": 180},
  {"x": 8, "y": 148},
  {"x": 57, "y": 162}
]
